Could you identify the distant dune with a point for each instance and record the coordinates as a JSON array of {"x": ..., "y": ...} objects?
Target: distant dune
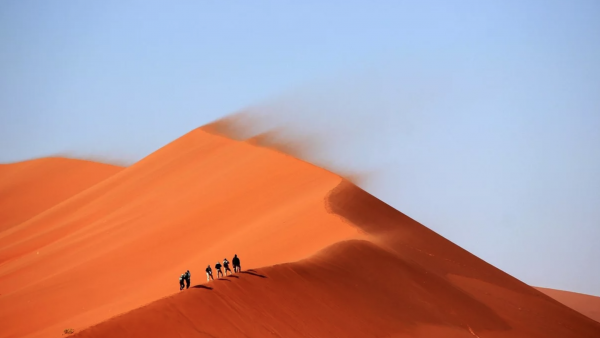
[
  {"x": 322, "y": 257},
  {"x": 586, "y": 304},
  {"x": 30, "y": 187}
]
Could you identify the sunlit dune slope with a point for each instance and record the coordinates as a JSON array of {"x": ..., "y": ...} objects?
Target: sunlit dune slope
[
  {"x": 125, "y": 241},
  {"x": 586, "y": 304},
  {"x": 350, "y": 289},
  {"x": 30, "y": 187}
]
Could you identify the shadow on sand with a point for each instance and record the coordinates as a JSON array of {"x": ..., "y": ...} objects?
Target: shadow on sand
[
  {"x": 200, "y": 286},
  {"x": 253, "y": 273}
]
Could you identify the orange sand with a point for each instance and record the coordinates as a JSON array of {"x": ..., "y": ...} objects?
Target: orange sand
[
  {"x": 351, "y": 289},
  {"x": 30, "y": 187},
  {"x": 586, "y": 304},
  {"x": 328, "y": 259},
  {"x": 125, "y": 241}
]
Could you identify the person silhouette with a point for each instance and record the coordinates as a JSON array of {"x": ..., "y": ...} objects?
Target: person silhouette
[
  {"x": 237, "y": 267},
  {"x": 209, "y": 275},
  {"x": 181, "y": 279},
  {"x": 226, "y": 266},
  {"x": 188, "y": 277},
  {"x": 218, "y": 268}
]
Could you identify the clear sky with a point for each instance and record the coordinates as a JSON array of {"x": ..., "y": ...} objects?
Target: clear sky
[{"x": 480, "y": 119}]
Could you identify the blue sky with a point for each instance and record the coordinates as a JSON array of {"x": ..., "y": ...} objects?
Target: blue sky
[{"x": 480, "y": 120}]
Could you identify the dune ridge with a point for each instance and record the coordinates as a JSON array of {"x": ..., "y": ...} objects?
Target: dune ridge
[{"x": 322, "y": 258}]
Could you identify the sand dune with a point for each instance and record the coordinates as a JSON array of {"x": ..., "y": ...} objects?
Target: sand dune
[
  {"x": 328, "y": 259},
  {"x": 586, "y": 304},
  {"x": 406, "y": 281},
  {"x": 30, "y": 187},
  {"x": 124, "y": 242}
]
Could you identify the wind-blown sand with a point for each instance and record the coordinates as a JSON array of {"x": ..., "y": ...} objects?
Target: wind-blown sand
[
  {"x": 328, "y": 259},
  {"x": 586, "y": 304}
]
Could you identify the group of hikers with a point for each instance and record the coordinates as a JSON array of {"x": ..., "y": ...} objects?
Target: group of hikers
[{"x": 237, "y": 267}]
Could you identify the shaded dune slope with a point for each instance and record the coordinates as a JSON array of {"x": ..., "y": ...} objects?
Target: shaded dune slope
[
  {"x": 406, "y": 281},
  {"x": 124, "y": 242},
  {"x": 585, "y": 304},
  {"x": 27, "y": 188}
]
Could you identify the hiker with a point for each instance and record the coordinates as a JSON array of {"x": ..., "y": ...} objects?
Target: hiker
[
  {"x": 218, "y": 268},
  {"x": 226, "y": 266},
  {"x": 236, "y": 264},
  {"x": 209, "y": 275},
  {"x": 181, "y": 278},
  {"x": 188, "y": 276}
]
